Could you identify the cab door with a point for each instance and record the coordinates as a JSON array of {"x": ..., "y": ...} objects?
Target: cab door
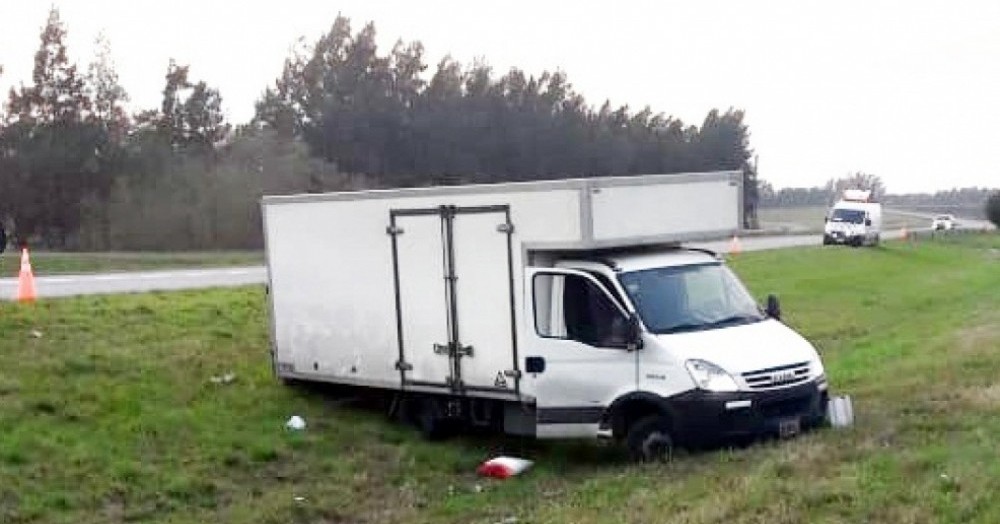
[{"x": 577, "y": 353}]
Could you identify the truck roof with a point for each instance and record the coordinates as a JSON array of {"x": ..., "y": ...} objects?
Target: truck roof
[
  {"x": 666, "y": 258},
  {"x": 850, "y": 204}
]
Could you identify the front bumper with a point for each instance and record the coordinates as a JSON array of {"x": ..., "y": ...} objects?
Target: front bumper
[
  {"x": 705, "y": 417},
  {"x": 838, "y": 237}
]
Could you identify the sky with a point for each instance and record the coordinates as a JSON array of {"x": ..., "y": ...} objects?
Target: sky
[{"x": 907, "y": 90}]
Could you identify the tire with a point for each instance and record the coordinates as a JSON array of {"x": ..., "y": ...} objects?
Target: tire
[
  {"x": 425, "y": 415},
  {"x": 650, "y": 440},
  {"x": 826, "y": 240},
  {"x": 428, "y": 416}
]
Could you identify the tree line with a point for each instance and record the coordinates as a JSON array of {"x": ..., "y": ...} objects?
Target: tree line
[
  {"x": 824, "y": 195},
  {"x": 78, "y": 171},
  {"x": 971, "y": 202}
]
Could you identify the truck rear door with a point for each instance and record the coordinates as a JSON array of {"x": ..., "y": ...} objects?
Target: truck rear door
[{"x": 455, "y": 312}]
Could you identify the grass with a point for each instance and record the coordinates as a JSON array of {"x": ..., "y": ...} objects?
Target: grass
[
  {"x": 49, "y": 263},
  {"x": 810, "y": 219},
  {"x": 111, "y": 415}
]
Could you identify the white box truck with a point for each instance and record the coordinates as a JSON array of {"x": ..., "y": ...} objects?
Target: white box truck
[
  {"x": 556, "y": 309},
  {"x": 855, "y": 220}
]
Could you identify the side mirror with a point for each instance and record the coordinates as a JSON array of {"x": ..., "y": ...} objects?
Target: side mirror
[
  {"x": 773, "y": 307},
  {"x": 868, "y": 221},
  {"x": 826, "y": 219},
  {"x": 633, "y": 333}
]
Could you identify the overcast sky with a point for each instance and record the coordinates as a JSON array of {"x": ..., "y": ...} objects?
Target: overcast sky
[{"x": 908, "y": 90}]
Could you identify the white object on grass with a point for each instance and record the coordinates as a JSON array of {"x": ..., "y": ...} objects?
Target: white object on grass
[
  {"x": 840, "y": 412},
  {"x": 503, "y": 467},
  {"x": 296, "y": 422}
]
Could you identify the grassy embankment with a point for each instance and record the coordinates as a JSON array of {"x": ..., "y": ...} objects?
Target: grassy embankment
[{"x": 111, "y": 415}]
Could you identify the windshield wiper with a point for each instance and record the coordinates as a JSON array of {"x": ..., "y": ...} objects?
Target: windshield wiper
[
  {"x": 748, "y": 319},
  {"x": 736, "y": 319},
  {"x": 683, "y": 327}
]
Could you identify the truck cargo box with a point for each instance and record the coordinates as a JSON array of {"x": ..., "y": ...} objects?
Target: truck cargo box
[{"x": 422, "y": 288}]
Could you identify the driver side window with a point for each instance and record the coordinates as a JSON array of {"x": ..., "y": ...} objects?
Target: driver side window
[{"x": 572, "y": 307}]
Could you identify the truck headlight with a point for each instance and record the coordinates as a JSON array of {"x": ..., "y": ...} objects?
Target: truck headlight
[
  {"x": 818, "y": 369},
  {"x": 710, "y": 377}
]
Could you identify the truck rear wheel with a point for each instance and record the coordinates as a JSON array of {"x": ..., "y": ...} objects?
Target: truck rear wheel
[
  {"x": 427, "y": 415},
  {"x": 649, "y": 440}
]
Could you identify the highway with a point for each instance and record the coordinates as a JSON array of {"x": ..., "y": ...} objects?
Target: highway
[
  {"x": 137, "y": 281},
  {"x": 143, "y": 281}
]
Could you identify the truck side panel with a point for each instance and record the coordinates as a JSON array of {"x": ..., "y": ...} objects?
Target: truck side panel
[
  {"x": 332, "y": 290},
  {"x": 333, "y": 293},
  {"x": 702, "y": 207}
]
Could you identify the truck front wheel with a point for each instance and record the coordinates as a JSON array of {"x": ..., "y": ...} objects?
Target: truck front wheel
[{"x": 649, "y": 439}]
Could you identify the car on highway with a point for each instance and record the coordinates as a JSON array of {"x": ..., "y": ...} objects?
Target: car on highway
[{"x": 943, "y": 223}]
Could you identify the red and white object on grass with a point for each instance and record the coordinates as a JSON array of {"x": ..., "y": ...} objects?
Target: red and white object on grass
[{"x": 503, "y": 467}]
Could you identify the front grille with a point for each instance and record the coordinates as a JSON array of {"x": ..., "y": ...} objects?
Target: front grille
[{"x": 776, "y": 377}]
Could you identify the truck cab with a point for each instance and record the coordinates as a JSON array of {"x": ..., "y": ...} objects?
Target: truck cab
[
  {"x": 660, "y": 348},
  {"x": 855, "y": 220}
]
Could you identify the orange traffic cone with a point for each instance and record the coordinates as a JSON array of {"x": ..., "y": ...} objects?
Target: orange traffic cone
[
  {"x": 734, "y": 246},
  {"x": 26, "y": 280}
]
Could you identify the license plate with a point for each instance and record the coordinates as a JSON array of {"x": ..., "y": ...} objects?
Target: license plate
[{"x": 789, "y": 427}]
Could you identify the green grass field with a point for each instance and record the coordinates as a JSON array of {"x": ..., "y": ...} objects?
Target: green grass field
[
  {"x": 111, "y": 415},
  {"x": 48, "y": 263}
]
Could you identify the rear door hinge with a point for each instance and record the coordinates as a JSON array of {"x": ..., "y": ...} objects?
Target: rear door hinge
[
  {"x": 404, "y": 366},
  {"x": 506, "y": 228},
  {"x": 393, "y": 230}
]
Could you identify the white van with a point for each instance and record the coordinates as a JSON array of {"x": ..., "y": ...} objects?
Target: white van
[
  {"x": 563, "y": 309},
  {"x": 855, "y": 220}
]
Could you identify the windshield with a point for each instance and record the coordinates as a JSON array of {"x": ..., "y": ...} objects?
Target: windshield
[
  {"x": 689, "y": 298},
  {"x": 854, "y": 216}
]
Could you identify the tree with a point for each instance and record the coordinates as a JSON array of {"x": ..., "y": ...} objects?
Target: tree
[
  {"x": 51, "y": 145},
  {"x": 57, "y": 92},
  {"x": 993, "y": 208},
  {"x": 111, "y": 123},
  {"x": 191, "y": 113},
  {"x": 6, "y": 170},
  {"x": 109, "y": 97},
  {"x": 374, "y": 114}
]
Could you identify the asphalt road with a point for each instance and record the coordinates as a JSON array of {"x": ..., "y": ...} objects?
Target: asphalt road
[
  {"x": 142, "y": 281},
  {"x": 137, "y": 281}
]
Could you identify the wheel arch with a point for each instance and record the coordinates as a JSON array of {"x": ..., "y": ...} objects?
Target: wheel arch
[{"x": 631, "y": 407}]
